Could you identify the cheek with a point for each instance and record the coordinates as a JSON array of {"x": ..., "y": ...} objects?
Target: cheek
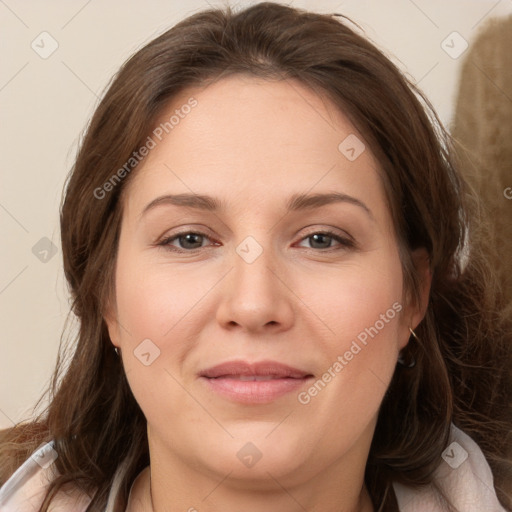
[
  {"x": 149, "y": 307},
  {"x": 358, "y": 302},
  {"x": 363, "y": 315},
  {"x": 154, "y": 300}
]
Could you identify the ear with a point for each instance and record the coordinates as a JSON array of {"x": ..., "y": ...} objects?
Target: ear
[
  {"x": 110, "y": 317},
  {"x": 416, "y": 309},
  {"x": 421, "y": 261}
]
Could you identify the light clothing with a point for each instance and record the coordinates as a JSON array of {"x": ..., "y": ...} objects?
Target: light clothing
[{"x": 464, "y": 476}]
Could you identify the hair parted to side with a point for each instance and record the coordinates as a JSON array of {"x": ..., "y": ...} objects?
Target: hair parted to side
[{"x": 463, "y": 352}]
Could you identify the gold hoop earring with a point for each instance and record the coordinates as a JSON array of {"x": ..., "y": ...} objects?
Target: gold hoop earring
[{"x": 410, "y": 361}]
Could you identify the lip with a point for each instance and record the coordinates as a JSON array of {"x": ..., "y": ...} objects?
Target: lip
[{"x": 232, "y": 380}]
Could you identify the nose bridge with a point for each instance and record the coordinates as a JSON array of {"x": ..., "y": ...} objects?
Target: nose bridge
[
  {"x": 254, "y": 264},
  {"x": 254, "y": 295}
]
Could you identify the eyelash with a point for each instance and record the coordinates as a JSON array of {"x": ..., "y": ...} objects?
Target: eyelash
[{"x": 345, "y": 242}]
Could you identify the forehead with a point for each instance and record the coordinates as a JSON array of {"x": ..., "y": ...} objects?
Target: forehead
[
  {"x": 283, "y": 112},
  {"x": 255, "y": 136}
]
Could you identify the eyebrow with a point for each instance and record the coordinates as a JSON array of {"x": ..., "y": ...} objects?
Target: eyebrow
[{"x": 297, "y": 202}]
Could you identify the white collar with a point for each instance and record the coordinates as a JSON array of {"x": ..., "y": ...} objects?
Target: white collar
[{"x": 463, "y": 476}]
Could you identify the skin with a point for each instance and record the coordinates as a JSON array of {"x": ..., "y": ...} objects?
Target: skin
[{"x": 253, "y": 143}]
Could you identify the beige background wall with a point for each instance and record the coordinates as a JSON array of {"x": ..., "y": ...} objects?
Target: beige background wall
[{"x": 46, "y": 102}]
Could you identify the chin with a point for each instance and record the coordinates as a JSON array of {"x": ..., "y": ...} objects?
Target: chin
[{"x": 255, "y": 456}]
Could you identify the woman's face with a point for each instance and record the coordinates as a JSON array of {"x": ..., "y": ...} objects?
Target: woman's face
[{"x": 307, "y": 325}]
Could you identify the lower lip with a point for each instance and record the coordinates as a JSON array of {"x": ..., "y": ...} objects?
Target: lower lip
[{"x": 254, "y": 391}]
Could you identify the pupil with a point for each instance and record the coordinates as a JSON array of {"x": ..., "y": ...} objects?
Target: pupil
[
  {"x": 189, "y": 238},
  {"x": 319, "y": 235}
]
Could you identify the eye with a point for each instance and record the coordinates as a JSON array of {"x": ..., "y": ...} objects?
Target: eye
[
  {"x": 191, "y": 241},
  {"x": 324, "y": 239}
]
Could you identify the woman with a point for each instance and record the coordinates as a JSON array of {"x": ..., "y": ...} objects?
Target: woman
[{"x": 332, "y": 338}]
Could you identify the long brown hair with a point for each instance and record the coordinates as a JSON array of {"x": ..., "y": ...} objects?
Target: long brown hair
[{"x": 463, "y": 351}]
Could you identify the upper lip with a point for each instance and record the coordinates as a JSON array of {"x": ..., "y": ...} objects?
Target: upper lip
[{"x": 261, "y": 369}]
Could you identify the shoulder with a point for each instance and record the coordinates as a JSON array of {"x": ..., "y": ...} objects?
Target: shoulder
[
  {"x": 463, "y": 477},
  {"x": 26, "y": 488}
]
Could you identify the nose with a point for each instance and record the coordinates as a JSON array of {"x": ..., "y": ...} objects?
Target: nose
[{"x": 255, "y": 296}]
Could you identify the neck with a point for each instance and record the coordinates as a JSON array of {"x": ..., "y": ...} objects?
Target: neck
[{"x": 332, "y": 490}]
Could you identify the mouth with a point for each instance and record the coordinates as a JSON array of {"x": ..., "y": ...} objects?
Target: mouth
[{"x": 254, "y": 383}]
